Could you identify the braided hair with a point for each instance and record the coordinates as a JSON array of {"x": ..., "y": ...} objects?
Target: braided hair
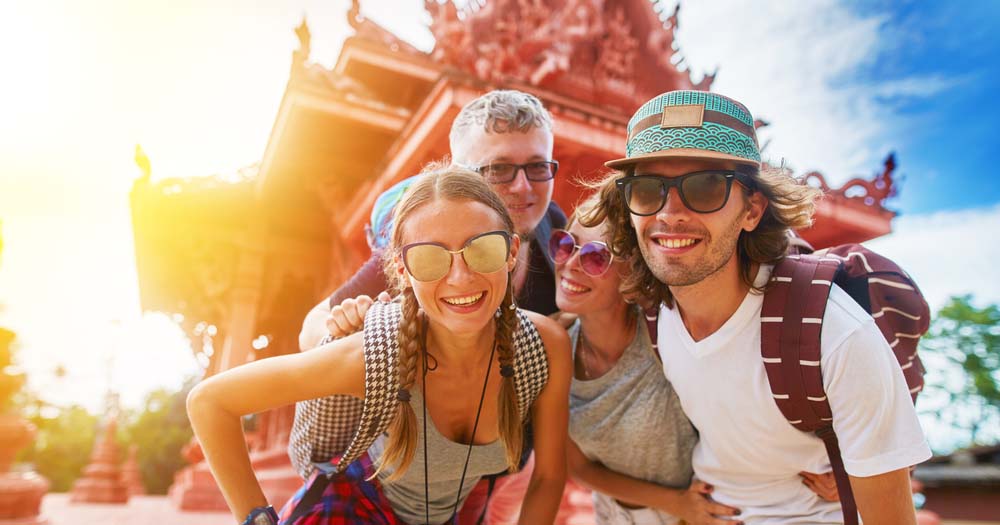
[{"x": 452, "y": 184}]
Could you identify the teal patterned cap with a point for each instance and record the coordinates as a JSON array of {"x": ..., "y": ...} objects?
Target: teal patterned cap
[{"x": 691, "y": 124}]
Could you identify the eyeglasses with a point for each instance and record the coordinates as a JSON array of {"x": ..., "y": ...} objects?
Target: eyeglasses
[
  {"x": 595, "y": 256},
  {"x": 484, "y": 253},
  {"x": 701, "y": 191},
  {"x": 502, "y": 173}
]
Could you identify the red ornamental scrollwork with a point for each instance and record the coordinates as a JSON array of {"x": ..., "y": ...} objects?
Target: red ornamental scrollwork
[
  {"x": 594, "y": 49},
  {"x": 872, "y": 192}
]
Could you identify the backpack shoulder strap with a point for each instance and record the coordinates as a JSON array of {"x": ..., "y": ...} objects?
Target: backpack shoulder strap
[
  {"x": 791, "y": 325},
  {"x": 381, "y": 381},
  {"x": 531, "y": 366}
]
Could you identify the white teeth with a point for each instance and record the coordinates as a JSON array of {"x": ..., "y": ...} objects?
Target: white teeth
[
  {"x": 675, "y": 243},
  {"x": 565, "y": 285},
  {"x": 462, "y": 301}
]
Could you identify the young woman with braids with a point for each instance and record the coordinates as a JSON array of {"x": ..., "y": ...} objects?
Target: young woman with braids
[{"x": 454, "y": 353}]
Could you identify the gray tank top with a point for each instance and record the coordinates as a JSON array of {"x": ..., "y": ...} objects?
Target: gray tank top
[
  {"x": 445, "y": 461},
  {"x": 630, "y": 419}
]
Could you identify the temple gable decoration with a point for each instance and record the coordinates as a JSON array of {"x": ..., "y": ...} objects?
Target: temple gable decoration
[{"x": 615, "y": 53}]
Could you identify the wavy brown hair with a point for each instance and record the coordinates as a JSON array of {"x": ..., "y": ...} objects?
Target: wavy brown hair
[
  {"x": 438, "y": 184},
  {"x": 790, "y": 206}
]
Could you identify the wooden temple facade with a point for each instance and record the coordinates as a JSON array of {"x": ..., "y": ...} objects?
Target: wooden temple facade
[{"x": 241, "y": 259}]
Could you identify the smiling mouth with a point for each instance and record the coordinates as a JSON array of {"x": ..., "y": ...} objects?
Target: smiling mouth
[
  {"x": 571, "y": 287},
  {"x": 676, "y": 243},
  {"x": 464, "y": 300}
]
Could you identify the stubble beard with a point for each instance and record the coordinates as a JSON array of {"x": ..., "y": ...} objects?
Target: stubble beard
[{"x": 673, "y": 272}]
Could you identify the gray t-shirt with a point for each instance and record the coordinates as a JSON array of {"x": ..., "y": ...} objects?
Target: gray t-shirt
[
  {"x": 445, "y": 461},
  {"x": 630, "y": 418}
]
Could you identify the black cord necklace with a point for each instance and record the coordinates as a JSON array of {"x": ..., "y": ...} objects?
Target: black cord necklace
[{"x": 475, "y": 426}]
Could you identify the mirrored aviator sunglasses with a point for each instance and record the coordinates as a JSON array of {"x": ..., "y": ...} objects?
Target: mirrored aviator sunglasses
[
  {"x": 595, "y": 257},
  {"x": 483, "y": 253}
]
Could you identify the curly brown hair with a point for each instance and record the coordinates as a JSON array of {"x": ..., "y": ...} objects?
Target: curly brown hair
[{"x": 790, "y": 206}]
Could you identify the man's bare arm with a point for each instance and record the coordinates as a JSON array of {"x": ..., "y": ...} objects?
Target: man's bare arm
[
  {"x": 368, "y": 281},
  {"x": 314, "y": 326},
  {"x": 885, "y": 498}
]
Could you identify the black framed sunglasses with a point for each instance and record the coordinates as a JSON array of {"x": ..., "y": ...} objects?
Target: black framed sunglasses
[
  {"x": 502, "y": 173},
  {"x": 483, "y": 253},
  {"x": 701, "y": 191}
]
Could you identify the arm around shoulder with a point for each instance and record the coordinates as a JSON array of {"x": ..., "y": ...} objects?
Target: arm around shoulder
[{"x": 368, "y": 280}]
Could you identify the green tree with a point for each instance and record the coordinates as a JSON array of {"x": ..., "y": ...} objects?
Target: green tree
[
  {"x": 968, "y": 338},
  {"x": 64, "y": 441},
  {"x": 159, "y": 430}
]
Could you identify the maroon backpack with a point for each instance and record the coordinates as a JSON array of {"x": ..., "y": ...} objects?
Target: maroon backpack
[{"x": 792, "y": 321}]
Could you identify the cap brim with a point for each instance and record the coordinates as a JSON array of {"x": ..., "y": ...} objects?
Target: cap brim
[{"x": 679, "y": 153}]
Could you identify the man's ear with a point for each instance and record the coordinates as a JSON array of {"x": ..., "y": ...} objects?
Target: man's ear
[
  {"x": 515, "y": 246},
  {"x": 756, "y": 206}
]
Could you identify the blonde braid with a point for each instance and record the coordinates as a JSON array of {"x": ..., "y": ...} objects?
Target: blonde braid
[
  {"x": 508, "y": 415},
  {"x": 402, "y": 431}
]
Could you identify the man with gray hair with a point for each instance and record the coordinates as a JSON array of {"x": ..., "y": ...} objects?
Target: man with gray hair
[{"x": 506, "y": 136}]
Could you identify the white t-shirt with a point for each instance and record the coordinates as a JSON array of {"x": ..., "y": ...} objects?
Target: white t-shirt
[{"x": 748, "y": 450}]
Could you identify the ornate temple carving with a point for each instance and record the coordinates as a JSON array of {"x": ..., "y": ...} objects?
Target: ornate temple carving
[
  {"x": 859, "y": 191},
  {"x": 589, "y": 49}
]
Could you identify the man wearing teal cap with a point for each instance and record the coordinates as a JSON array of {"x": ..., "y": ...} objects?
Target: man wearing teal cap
[{"x": 703, "y": 225}]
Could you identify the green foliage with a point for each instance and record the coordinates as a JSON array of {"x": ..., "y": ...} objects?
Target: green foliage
[
  {"x": 968, "y": 338},
  {"x": 66, "y": 438},
  {"x": 64, "y": 441},
  {"x": 10, "y": 379},
  {"x": 159, "y": 431}
]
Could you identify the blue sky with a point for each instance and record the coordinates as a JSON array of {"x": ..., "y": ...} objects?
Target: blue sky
[{"x": 944, "y": 59}]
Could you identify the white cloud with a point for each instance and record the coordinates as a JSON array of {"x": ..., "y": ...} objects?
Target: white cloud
[
  {"x": 917, "y": 86},
  {"x": 796, "y": 64},
  {"x": 948, "y": 253}
]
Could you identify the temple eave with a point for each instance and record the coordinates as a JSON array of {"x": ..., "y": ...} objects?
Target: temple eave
[{"x": 839, "y": 220}]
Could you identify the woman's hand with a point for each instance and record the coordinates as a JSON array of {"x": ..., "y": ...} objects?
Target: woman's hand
[
  {"x": 824, "y": 485},
  {"x": 697, "y": 507}
]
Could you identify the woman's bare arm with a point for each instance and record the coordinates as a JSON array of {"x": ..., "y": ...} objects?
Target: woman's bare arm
[
  {"x": 216, "y": 405},
  {"x": 692, "y": 504}
]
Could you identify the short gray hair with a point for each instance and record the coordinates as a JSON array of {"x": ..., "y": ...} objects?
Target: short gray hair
[{"x": 500, "y": 111}]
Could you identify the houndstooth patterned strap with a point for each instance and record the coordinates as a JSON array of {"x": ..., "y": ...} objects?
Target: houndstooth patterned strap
[
  {"x": 531, "y": 367},
  {"x": 343, "y": 425},
  {"x": 381, "y": 380},
  {"x": 323, "y": 428}
]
